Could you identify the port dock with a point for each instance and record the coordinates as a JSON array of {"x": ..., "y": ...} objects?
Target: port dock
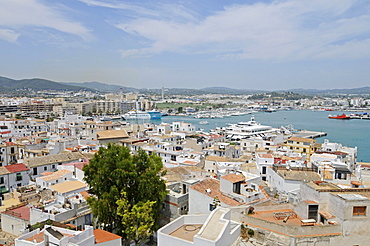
[{"x": 309, "y": 134}]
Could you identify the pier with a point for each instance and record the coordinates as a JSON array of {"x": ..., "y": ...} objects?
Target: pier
[{"x": 309, "y": 134}]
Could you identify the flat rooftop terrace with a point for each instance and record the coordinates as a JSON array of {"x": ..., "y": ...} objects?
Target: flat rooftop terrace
[
  {"x": 278, "y": 216},
  {"x": 187, "y": 232}
]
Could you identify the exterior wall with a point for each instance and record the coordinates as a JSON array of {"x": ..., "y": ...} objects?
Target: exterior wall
[
  {"x": 14, "y": 182},
  {"x": 38, "y": 215},
  {"x": 275, "y": 180},
  {"x": 226, "y": 186},
  {"x": 4, "y": 181},
  {"x": 13, "y": 224},
  {"x": 163, "y": 129},
  {"x": 210, "y": 166},
  {"x": 44, "y": 184},
  {"x": 199, "y": 203},
  {"x": 174, "y": 205},
  {"x": 164, "y": 239},
  {"x": 264, "y": 164},
  {"x": 43, "y": 168},
  {"x": 228, "y": 234},
  {"x": 77, "y": 173},
  {"x": 296, "y": 231}
]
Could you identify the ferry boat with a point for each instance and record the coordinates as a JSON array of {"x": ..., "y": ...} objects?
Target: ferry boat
[
  {"x": 340, "y": 117},
  {"x": 155, "y": 114},
  {"x": 135, "y": 115}
]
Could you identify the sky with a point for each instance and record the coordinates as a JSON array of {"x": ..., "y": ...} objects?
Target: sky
[{"x": 242, "y": 44}]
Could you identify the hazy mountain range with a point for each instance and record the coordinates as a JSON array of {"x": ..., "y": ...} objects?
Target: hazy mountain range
[{"x": 8, "y": 85}]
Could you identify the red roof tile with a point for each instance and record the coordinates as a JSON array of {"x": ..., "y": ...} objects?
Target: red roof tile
[
  {"x": 21, "y": 212},
  {"x": 214, "y": 186},
  {"x": 104, "y": 236},
  {"x": 38, "y": 238},
  {"x": 233, "y": 178},
  {"x": 15, "y": 168}
]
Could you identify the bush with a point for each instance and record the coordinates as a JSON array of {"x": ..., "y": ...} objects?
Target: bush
[{"x": 250, "y": 232}]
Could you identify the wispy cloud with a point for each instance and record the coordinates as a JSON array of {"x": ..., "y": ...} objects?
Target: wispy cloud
[
  {"x": 18, "y": 15},
  {"x": 281, "y": 30},
  {"x": 9, "y": 35},
  {"x": 150, "y": 9}
]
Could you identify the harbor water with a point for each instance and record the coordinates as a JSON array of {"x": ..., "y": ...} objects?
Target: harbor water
[{"x": 351, "y": 133}]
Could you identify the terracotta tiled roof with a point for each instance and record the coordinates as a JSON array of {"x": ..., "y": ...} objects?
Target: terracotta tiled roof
[
  {"x": 68, "y": 186},
  {"x": 216, "y": 158},
  {"x": 38, "y": 238},
  {"x": 46, "y": 173},
  {"x": 52, "y": 159},
  {"x": 15, "y": 168},
  {"x": 20, "y": 212},
  {"x": 214, "y": 186},
  {"x": 109, "y": 134},
  {"x": 187, "y": 162},
  {"x": 233, "y": 178},
  {"x": 299, "y": 175},
  {"x": 104, "y": 236},
  {"x": 85, "y": 194},
  {"x": 63, "y": 172},
  {"x": 50, "y": 177},
  {"x": 3, "y": 171},
  {"x": 265, "y": 155}
]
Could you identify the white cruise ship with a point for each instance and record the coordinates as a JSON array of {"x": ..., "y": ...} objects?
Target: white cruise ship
[
  {"x": 135, "y": 115},
  {"x": 248, "y": 129}
]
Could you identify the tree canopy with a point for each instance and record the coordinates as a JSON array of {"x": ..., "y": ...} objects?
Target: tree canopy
[
  {"x": 136, "y": 220},
  {"x": 114, "y": 174}
]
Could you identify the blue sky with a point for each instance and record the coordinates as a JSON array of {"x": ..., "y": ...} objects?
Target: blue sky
[{"x": 248, "y": 44}]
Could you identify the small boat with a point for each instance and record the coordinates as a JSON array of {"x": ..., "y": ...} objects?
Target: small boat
[
  {"x": 204, "y": 122},
  {"x": 340, "y": 117}
]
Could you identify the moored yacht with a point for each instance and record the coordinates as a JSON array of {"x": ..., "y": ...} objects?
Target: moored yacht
[{"x": 247, "y": 129}]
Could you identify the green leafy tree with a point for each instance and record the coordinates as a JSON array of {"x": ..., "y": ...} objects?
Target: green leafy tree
[
  {"x": 137, "y": 220},
  {"x": 114, "y": 170}
]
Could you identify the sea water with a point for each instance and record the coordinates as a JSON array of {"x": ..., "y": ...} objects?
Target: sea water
[{"x": 351, "y": 133}]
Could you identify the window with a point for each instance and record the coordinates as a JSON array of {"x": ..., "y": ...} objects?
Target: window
[
  {"x": 263, "y": 170},
  {"x": 359, "y": 211},
  {"x": 19, "y": 177},
  {"x": 45, "y": 168},
  {"x": 1, "y": 180}
]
